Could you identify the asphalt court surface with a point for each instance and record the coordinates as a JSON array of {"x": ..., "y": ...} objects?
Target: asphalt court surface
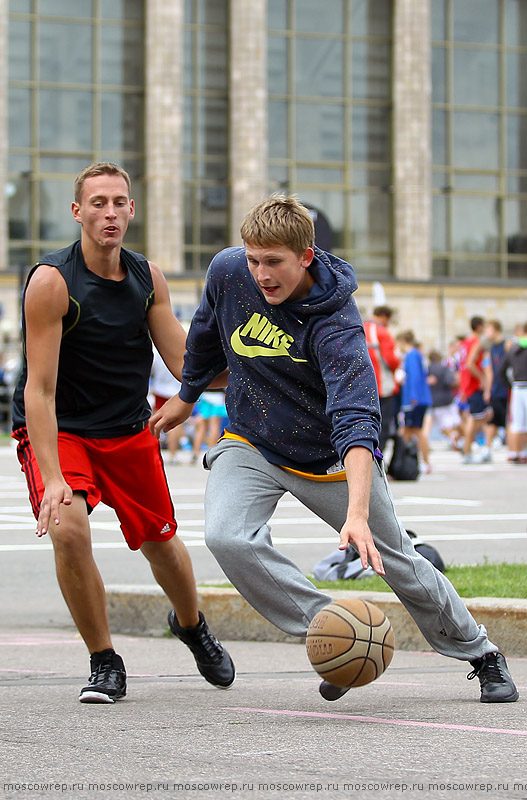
[{"x": 417, "y": 732}]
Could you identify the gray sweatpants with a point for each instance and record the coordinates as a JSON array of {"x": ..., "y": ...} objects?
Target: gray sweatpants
[{"x": 242, "y": 492}]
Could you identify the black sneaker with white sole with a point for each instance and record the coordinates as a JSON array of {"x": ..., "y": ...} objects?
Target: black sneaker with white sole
[
  {"x": 212, "y": 659},
  {"x": 495, "y": 679},
  {"x": 107, "y": 682}
]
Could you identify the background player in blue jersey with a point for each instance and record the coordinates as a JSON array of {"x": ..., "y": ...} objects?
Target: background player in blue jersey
[
  {"x": 304, "y": 418},
  {"x": 80, "y": 416}
]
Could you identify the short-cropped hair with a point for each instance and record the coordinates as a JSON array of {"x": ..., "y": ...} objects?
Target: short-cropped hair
[
  {"x": 93, "y": 171},
  {"x": 279, "y": 220}
]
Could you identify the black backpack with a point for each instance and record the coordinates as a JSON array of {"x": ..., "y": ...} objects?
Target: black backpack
[{"x": 404, "y": 463}]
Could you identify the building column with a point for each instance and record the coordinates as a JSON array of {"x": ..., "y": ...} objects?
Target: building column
[
  {"x": 411, "y": 139},
  {"x": 248, "y": 109},
  {"x": 164, "y": 134},
  {"x": 4, "y": 143}
]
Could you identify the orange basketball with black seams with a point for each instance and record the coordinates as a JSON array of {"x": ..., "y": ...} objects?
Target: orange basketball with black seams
[{"x": 350, "y": 642}]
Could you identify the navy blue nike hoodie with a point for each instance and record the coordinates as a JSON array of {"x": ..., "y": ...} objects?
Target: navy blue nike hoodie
[{"x": 301, "y": 386}]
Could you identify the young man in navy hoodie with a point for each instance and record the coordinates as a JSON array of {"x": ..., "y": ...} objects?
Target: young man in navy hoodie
[{"x": 304, "y": 418}]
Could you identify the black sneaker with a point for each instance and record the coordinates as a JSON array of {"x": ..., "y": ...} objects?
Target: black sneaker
[
  {"x": 107, "y": 682},
  {"x": 331, "y": 692},
  {"x": 497, "y": 685},
  {"x": 212, "y": 659}
]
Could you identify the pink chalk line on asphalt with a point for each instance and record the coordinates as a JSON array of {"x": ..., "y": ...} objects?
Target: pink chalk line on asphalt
[{"x": 380, "y": 720}]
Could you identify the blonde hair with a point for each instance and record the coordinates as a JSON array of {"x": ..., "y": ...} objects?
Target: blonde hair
[
  {"x": 279, "y": 220},
  {"x": 100, "y": 168}
]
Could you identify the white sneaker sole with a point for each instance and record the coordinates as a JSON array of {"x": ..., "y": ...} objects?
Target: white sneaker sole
[{"x": 95, "y": 697}]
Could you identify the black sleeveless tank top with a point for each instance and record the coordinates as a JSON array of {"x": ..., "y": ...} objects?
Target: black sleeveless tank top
[{"x": 106, "y": 351}]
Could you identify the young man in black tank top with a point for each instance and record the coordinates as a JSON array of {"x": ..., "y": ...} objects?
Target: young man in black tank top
[{"x": 80, "y": 416}]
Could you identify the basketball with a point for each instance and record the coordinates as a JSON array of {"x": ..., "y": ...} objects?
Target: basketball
[{"x": 350, "y": 642}]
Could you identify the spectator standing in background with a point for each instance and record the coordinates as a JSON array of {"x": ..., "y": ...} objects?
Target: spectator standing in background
[
  {"x": 514, "y": 365},
  {"x": 499, "y": 391},
  {"x": 163, "y": 385},
  {"x": 416, "y": 396},
  {"x": 385, "y": 359},
  {"x": 443, "y": 380},
  {"x": 474, "y": 386}
]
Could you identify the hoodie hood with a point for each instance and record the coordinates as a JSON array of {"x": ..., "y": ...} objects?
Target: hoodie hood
[{"x": 335, "y": 282}]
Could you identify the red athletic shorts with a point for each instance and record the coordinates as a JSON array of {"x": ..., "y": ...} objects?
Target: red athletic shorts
[{"x": 126, "y": 473}]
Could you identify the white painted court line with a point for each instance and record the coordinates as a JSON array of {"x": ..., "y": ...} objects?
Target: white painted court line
[{"x": 193, "y": 539}]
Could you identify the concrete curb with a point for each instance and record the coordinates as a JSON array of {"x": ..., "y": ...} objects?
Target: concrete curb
[{"x": 142, "y": 610}]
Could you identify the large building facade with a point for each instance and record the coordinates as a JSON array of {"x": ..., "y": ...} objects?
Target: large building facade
[{"x": 401, "y": 123}]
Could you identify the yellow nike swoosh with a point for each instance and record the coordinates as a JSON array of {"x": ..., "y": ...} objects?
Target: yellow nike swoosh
[{"x": 255, "y": 350}]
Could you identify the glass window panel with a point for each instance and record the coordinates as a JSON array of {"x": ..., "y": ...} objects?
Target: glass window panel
[
  {"x": 371, "y": 18},
  {"x": 319, "y": 67},
  {"x": 213, "y": 169},
  {"x": 56, "y": 222},
  {"x": 319, "y": 175},
  {"x": 367, "y": 266},
  {"x": 189, "y": 212},
  {"x": 477, "y": 183},
  {"x": 121, "y": 55},
  {"x": 277, "y": 14},
  {"x": 475, "y": 224},
  {"x": 371, "y": 70},
  {"x": 319, "y": 132},
  {"x": 212, "y": 56},
  {"x": 278, "y": 177},
  {"x": 439, "y": 211},
  {"x": 71, "y": 166},
  {"x": 213, "y": 216},
  {"x": 278, "y": 129},
  {"x": 476, "y": 76},
  {"x": 66, "y": 8},
  {"x": 65, "y": 52},
  {"x": 439, "y": 180},
  {"x": 378, "y": 178},
  {"x": 188, "y": 169},
  {"x": 312, "y": 16},
  {"x": 18, "y": 163},
  {"x": 212, "y": 126},
  {"x": 20, "y": 6},
  {"x": 331, "y": 204},
  {"x": 438, "y": 20},
  {"x": 370, "y": 222},
  {"x": 517, "y": 184},
  {"x": 189, "y": 137},
  {"x": 121, "y": 121},
  {"x": 121, "y": 9},
  {"x": 277, "y": 64},
  {"x": 515, "y": 211},
  {"x": 19, "y": 206},
  {"x": 439, "y": 268},
  {"x": 371, "y": 134},
  {"x": 517, "y": 270},
  {"x": 475, "y": 140},
  {"x": 517, "y": 79},
  {"x": 135, "y": 167},
  {"x": 438, "y": 75},
  {"x": 516, "y": 138},
  {"x": 19, "y": 50},
  {"x": 515, "y": 21},
  {"x": 20, "y": 259},
  {"x": 439, "y": 137},
  {"x": 189, "y": 11},
  {"x": 136, "y": 226},
  {"x": 476, "y": 270},
  {"x": 475, "y": 21},
  {"x": 212, "y": 12},
  {"x": 20, "y": 117},
  {"x": 188, "y": 59}
]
